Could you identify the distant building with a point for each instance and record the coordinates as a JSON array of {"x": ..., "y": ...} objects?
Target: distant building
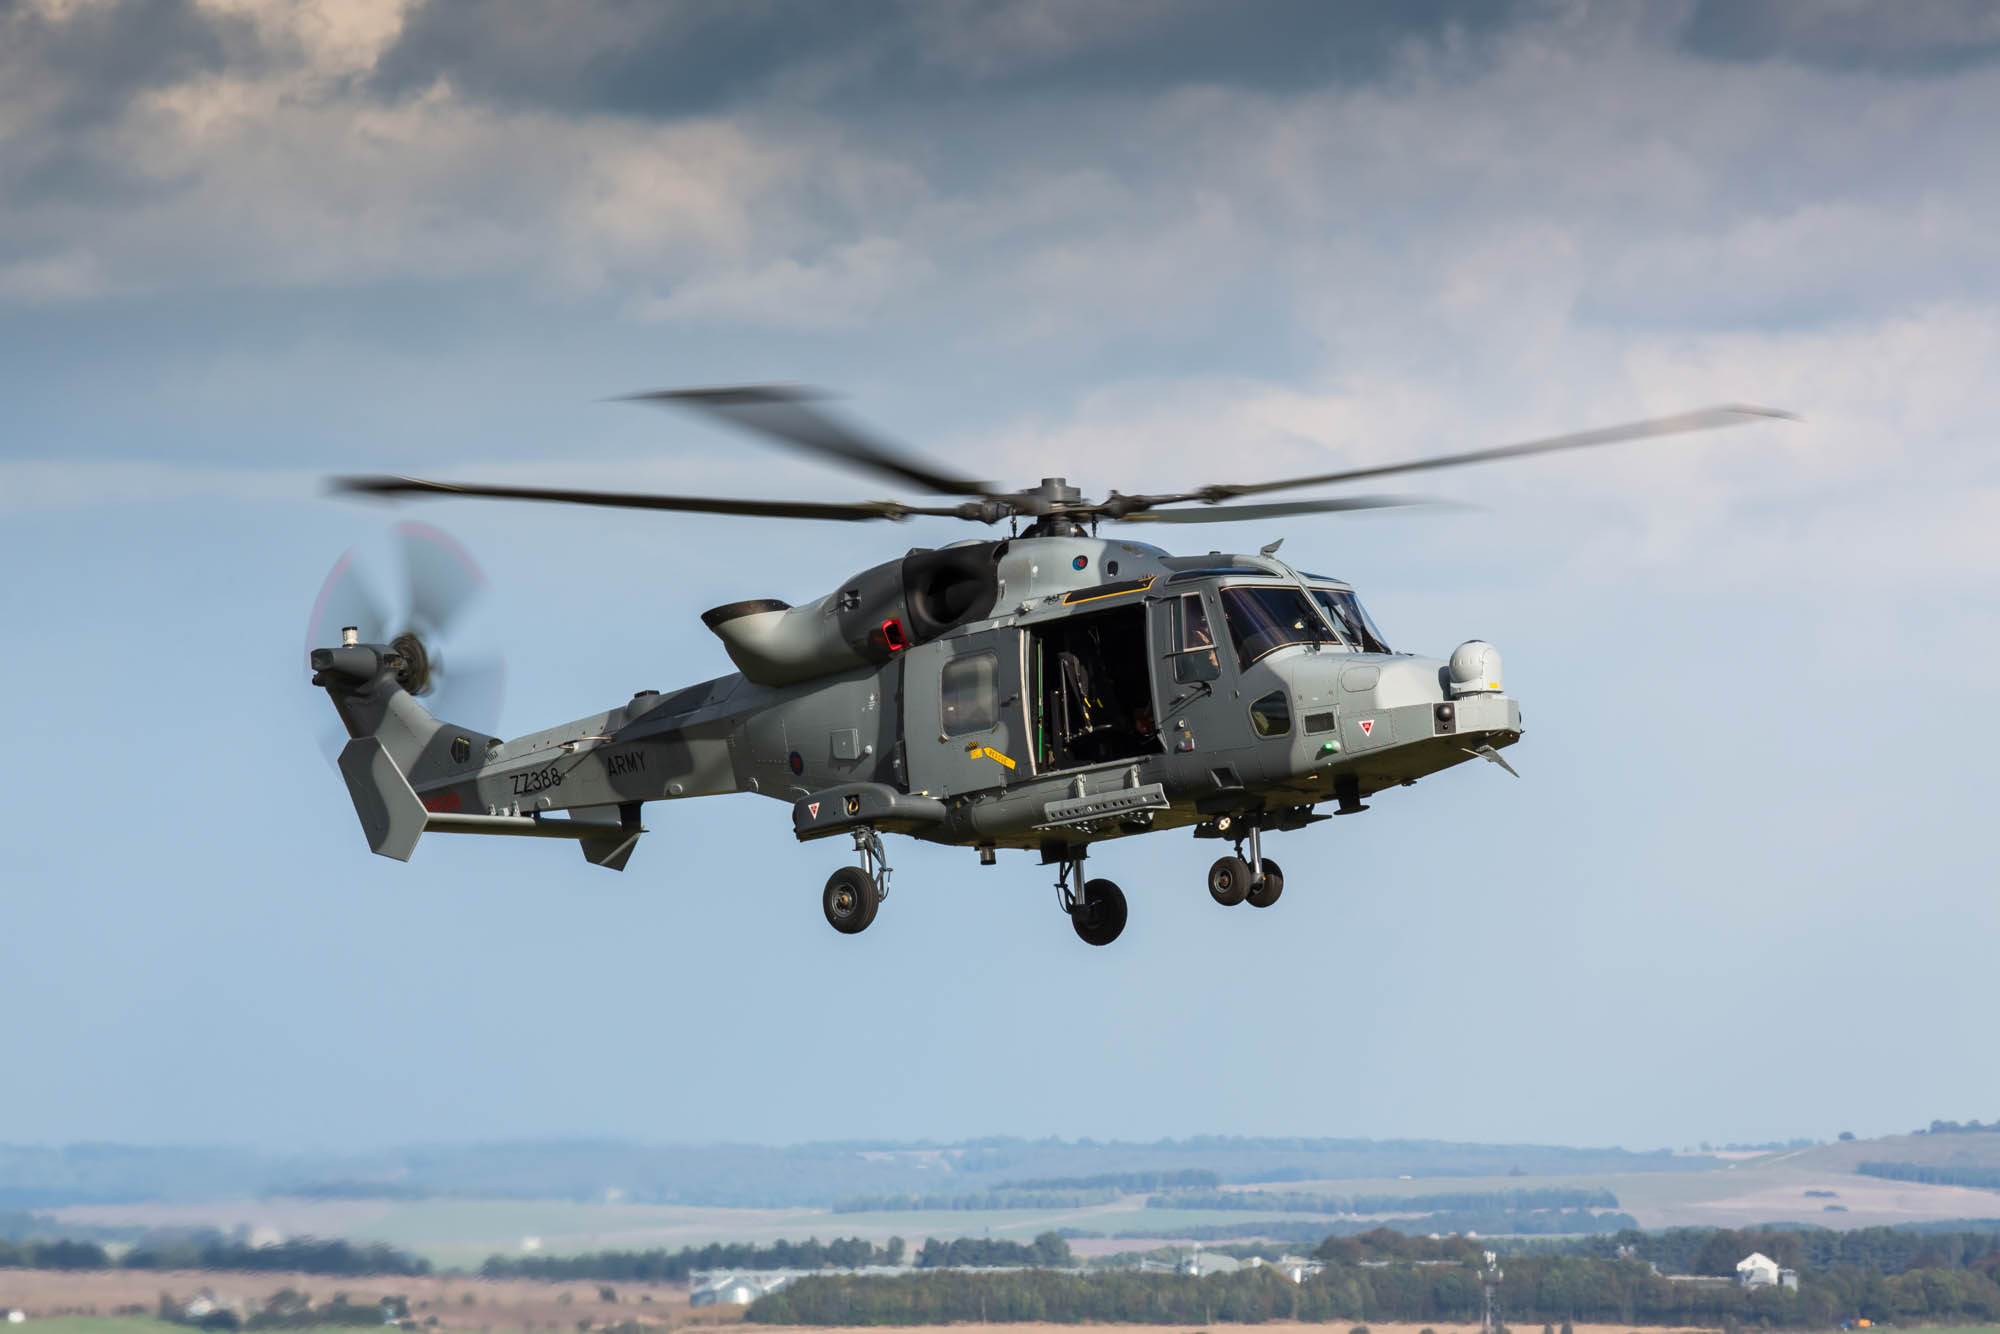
[
  {"x": 1294, "y": 1267},
  {"x": 1203, "y": 1263},
  {"x": 729, "y": 1288},
  {"x": 1757, "y": 1270}
]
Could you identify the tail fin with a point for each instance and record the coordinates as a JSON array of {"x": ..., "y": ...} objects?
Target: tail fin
[
  {"x": 393, "y": 737},
  {"x": 395, "y": 740},
  {"x": 391, "y": 816}
]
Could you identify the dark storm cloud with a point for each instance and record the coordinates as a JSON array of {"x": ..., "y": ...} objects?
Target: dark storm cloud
[
  {"x": 1885, "y": 36},
  {"x": 102, "y": 56},
  {"x": 636, "y": 57}
]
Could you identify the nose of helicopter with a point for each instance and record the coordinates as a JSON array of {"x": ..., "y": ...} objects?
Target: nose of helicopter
[{"x": 1403, "y": 713}]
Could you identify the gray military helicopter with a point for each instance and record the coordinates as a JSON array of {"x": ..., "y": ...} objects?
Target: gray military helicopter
[{"x": 1046, "y": 691}]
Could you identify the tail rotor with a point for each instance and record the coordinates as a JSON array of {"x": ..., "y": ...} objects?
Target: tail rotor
[{"x": 435, "y": 584}]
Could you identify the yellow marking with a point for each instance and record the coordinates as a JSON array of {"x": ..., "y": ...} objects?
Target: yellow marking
[
  {"x": 996, "y": 756},
  {"x": 1073, "y": 601}
]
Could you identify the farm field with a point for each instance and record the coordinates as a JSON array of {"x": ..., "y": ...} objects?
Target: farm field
[
  {"x": 81, "y": 1302},
  {"x": 1816, "y": 1185}
]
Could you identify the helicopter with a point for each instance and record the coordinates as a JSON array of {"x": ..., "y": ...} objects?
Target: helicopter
[{"x": 1046, "y": 691}]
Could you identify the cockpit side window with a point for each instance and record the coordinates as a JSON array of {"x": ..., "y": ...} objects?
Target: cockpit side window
[
  {"x": 1262, "y": 620},
  {"x": 1353, "y": 620},
  {"x": 1193, "y": 641}
]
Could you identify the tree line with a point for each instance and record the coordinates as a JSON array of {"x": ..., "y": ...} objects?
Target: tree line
[
  {"x": 1304, "y": 1202},
  {"x": 303, "y": 1255},
  {"x": 672, "y": 1266},
  {"x": 1535, "y": 1222},
  {"x": 1048, "y": 1251},
  {"x": 1699, "y": 1250},
  {"x": 1984, "y": 1178},
  {"x": 1125, "y": 1183},
  {"x": 1537, "y": 1289},
  {"x": 992, "y": 1199}
]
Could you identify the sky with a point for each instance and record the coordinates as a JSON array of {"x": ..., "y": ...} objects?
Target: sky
[{"x": 1741, "y": 891}]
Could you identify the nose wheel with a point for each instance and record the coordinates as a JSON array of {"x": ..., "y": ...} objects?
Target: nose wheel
[
  {"x": 1264, "y": 890},
  {"x": 1258, "y": 881},
  {"x": 850, "y": 900},
  {"x": 854, "y": 893}
]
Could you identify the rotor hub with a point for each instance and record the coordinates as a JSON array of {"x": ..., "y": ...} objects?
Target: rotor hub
[{"x": 414, "y": 675}]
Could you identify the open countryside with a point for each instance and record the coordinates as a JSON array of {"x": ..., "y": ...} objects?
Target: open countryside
[{"x": 1180, "y": 1233}]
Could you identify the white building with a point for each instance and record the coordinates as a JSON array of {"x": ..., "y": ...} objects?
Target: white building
[
  {"x": 728, "y": 1288},
  {"x": 1757, "y": 1270},
  {"x": 1203, "y": 1263}
]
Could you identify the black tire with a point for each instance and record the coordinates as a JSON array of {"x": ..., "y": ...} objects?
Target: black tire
[
  {"x": 1100, "y": 918},
  {"x": 1229, "y": 881},
  {"x": 1265, "y": 892},
  {"x": 850, "y": 900}
]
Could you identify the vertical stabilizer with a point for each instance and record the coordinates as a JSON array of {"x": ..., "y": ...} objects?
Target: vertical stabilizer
[{"x": 391, "y": 816}]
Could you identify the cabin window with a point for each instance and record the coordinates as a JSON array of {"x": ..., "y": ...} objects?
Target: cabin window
[
  {"x": 1271, "y": 715},
  {"x": 1193, "y": 641},
  {"x": 1263, "y": 619},
  {"x": 970, "y": 690}
]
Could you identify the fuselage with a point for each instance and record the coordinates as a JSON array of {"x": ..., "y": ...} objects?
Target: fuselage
[{"x": 1036, "y": 693}]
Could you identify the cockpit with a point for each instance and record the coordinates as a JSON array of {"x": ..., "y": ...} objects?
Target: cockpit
[{"x": 1263, "y": 618}]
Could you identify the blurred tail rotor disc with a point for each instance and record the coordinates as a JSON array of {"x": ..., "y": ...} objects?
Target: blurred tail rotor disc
[{"x": 436, "y": 583}]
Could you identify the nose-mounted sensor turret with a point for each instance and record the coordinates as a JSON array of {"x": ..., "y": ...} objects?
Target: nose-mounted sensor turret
[{"x": 1475, "y": 669}]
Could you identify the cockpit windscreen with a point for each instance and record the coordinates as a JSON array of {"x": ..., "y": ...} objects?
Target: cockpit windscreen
[
  {"x": 1264, "y": 618},
  {"x": 1353, "y": 620}
]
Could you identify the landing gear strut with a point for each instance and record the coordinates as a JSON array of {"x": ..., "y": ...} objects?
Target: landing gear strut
[
  {"x": 1096, "y": 908},
  {"x": 1258, "y": 879},
  {"x": 854, "y": 893}
]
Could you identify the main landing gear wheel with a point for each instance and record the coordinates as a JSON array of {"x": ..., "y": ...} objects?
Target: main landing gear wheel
[
  {"x": 850, "y": 900},
  {"x": 1271, "y": 884},
  {"x": 1229, "y": 881},
  {"x": 1101, "y": 916}
]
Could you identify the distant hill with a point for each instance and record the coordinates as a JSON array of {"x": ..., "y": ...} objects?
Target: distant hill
[{"x": 736, "y": 1175}]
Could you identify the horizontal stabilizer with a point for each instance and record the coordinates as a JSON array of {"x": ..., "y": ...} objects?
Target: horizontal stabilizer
[
  {"x": 612, "y": 851},
  {"x": 391, "y": 816}
]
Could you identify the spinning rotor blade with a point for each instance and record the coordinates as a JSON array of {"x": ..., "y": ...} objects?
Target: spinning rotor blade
[
  {"x": 433, "y": 582},
  {"x": 468, "y": 692},
  {"x": 763, "y": 509},
  {"x": 346, "y": 599},
  {"x": 780, "y": 412},
  {"x": 441, "y": 576},
  {"x": 1707, "y": 419},
  {"x": 1276, "y": 509}
]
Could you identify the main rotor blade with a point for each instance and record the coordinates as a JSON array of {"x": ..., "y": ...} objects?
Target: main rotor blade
[
  {"x": 766, "y": 509},
  {"x": 1706, "y": 419},
  {"x": 780, "y": 412},
  {"x": 1273, "y": 510}
]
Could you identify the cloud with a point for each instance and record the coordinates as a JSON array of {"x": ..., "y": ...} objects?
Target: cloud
[
  {"x": 1878, "y": 35},
  {"x": 700, "y": 56},
  {"x": 840, "y": 291}
]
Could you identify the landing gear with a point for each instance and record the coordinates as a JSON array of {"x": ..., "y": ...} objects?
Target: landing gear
[
  {"x": 854, "y": 893},
  {"x": 850, "y": 900},
  {"x": 1264, "y": 892},
  {"x": 1096, "y": 909},
  {"x": 1258, "y": 880},
  {"x": 1102, "y": 917},
  {"x": 1229, "y": 881}
]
